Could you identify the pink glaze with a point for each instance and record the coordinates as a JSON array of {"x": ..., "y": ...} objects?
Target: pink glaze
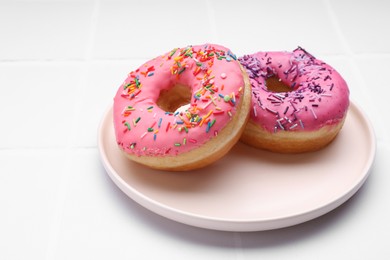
[
  {"x": 212, "y": 73},
  {"x": 319, "y": 96}
]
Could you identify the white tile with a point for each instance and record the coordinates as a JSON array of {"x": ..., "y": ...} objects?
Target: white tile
[
  {"x": 373, "y": 71},
  {"x": 36, "y": 103},
  {"x": 28, "y": 187},
  {"x": 44, "y": 30},
  {"x": 252, "y": 26},
  {"x": 146, "y": 29},
  {"x": 364, "y": 24},
  {"x": 101, "y": 222}
]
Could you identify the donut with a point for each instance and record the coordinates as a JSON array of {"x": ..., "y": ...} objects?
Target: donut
[
  {"x": 182, "y": 110},
  {"x": 299, "y": 103}
]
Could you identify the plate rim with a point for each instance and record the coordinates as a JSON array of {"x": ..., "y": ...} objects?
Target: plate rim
[{"x": 240, "y": 225}]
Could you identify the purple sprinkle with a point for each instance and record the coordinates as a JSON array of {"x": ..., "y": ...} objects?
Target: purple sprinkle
[
  {"x": 292, "y": 104},
  {"x": 286, "y": 109}
]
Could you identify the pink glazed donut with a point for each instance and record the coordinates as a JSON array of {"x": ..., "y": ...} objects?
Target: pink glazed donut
[
  {"x": 182, "y": 110},
  {"x": 299, "y": 103}
]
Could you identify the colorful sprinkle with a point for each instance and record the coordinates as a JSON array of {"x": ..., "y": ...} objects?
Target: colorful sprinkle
[
  {"x": 127, "y": 125},
  {"x": 206, "y": 103}
]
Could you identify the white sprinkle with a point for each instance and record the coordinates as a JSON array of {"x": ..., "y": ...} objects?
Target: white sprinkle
[
  {"x": 280, "y": 124},
  {"x": 301, "y": 123},
  {"x": 182, "y": 109},
  {"x": 293, "y": 126},
  {"x": 208, "y": 104},
  {"x": 143, "y": 135},
  {"x": 279, "y": 96},
  {"x": 314, "y": 114}
]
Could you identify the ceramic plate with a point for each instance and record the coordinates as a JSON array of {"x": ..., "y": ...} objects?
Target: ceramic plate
[{"x": 249, "y": 189}]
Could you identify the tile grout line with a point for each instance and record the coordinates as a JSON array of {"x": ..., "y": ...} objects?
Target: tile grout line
[
  {"x": 237, "y": 239},
  {"x": 212, "y": 21},
  {"x": 348, "y": 51},
  {"x": 65, "y": 180},
  {"x": 91, "y": 39},
  {"x": 351, "y": 56},
  {"x": 336, "y": 25}
]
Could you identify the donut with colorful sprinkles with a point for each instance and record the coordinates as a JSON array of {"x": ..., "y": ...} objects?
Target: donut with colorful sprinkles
[
  {"x": 299, "y": 103},
  {"x": 182, "y": 110}
]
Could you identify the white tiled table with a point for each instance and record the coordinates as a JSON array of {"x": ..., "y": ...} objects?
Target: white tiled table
[{"x": 60, "y": 65}]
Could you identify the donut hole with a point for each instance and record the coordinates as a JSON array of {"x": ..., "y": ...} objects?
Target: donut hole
[
  {"x": 275, "y": 84},
  {"x": 172, "y": 99}
]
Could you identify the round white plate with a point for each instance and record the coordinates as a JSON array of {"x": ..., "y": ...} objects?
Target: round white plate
[{"x": 249, "y": 189}]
